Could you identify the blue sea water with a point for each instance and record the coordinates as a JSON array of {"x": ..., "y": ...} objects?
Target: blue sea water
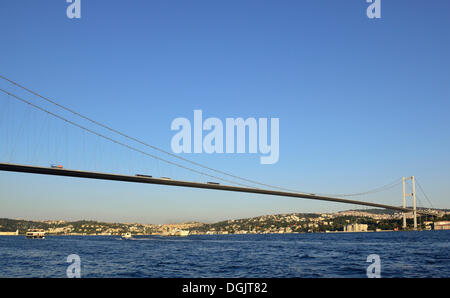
[{"x": 402, "y": 254}]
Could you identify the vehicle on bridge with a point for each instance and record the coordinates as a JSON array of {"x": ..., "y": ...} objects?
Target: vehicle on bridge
[
  {"x": 165, "y": 178},
  {"x": 57, "y": 166},
  {"x": 145, "y": 176},
  {"x": 214, "y": 183}
]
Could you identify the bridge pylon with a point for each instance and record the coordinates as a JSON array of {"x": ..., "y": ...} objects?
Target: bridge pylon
[{"x": 413, "y": 195}]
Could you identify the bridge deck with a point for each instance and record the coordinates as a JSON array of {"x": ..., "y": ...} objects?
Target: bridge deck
[{"x": 137, "y": 179}]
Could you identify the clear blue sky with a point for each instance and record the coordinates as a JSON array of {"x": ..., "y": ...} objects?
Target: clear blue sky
[{"x": 361, "y": 102}]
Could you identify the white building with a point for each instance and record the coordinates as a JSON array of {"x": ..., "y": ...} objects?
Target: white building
[{"x": 355, "y": 228}]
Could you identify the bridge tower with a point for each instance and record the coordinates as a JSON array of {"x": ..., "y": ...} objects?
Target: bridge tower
[{"x": 413, "y": 194}]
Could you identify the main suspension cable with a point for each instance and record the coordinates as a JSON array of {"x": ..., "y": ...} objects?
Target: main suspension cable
[{"x": 117, "y": 142}]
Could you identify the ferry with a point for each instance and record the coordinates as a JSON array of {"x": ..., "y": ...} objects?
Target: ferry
[
  {"x": 35, "y": 234},
  {"x": 126, "y": 235}
]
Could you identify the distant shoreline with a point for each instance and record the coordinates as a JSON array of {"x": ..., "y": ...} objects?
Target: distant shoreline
[
  {"x": 175, "y": 236},
  {"x": 290, "y": 223}
]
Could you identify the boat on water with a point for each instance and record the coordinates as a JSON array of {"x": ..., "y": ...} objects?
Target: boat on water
[
  {"x": 35, "y": 234},
  {"x": 126, "y": 235},
  {"x": 182, "y": 233}
]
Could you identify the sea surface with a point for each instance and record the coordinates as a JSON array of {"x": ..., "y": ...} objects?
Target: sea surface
[{"x": 402, "y": 254}]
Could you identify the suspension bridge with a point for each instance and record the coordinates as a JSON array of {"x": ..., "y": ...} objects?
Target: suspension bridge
[{"x": 73, "y": 120}]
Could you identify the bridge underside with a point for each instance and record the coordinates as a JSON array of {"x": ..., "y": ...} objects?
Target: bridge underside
[{"x": 137, "y": 179}]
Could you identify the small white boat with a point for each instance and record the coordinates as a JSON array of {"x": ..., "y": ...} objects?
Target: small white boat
[
  {"x": 183, "y": 233},
  {"x": 35, "y": 234},
  {"x": 126, "y": 235},
  {"x": 178, "y": 232}
]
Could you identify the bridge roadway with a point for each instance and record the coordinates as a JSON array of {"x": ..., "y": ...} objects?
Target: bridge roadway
[{"x": 136, "y": 179}]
